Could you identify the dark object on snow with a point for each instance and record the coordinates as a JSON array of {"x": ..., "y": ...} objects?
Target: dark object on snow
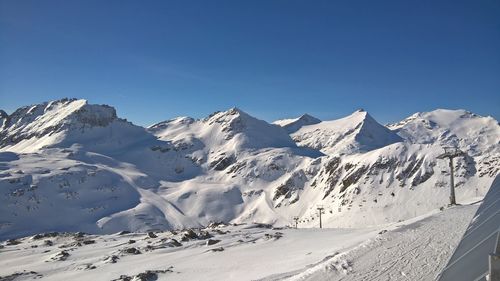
[
  {"x": 61, "y": 256},
  {"x": 173, "y": 243},
  {"x": 14, "y": 276},
  {"x": 263, "y": 225},
  {"x": 188, "y": 235},
  {"x": 212, "y": 242},
  {"x": 219, "y": 249},
  {"x": 151, "y": 234},
  {"x": 111, "y": 259},
  {"x": 148, "y": 275},
  {"x": 12, "y": 242},
  {"x": 204, "y": 235},
  {"x": 215, "y": 224},
  {"x": 132, "y": 251},
  {"x": 45, "y": 235},
  {"x": 124, "y": 232}
]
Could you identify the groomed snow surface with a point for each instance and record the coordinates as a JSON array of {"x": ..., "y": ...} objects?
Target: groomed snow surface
[{"x": 416, "y": 249}]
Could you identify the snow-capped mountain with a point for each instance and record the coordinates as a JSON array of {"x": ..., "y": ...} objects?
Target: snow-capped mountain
[
  {"x": 358, "y": 132},
  {"x": 460, "y": 128},
  {"x": 106, "y": 174},
  {"x": 66, "y": 122},
  {"x": 294, "y": 124}
]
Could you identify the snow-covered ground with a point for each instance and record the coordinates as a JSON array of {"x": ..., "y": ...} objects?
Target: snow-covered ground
[{"x": 416, "y": 249}]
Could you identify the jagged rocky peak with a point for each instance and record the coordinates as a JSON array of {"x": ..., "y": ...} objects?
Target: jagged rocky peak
[
  {"x": 49, "y": 122},
  {"x": 293, "y": 125},
  {"x": 355, "y": 133},
  {"x": 231, "y": 115},
  {"x": 50, "y": 114}
]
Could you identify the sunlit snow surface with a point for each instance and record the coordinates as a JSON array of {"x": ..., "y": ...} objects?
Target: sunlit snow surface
[
  {"x": 412, "y": 250},
  {"x": 72, "y": 166}
]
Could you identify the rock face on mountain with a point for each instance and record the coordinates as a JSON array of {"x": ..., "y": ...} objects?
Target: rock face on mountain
[
  {"x": 358, "y": 132},
  {"x": 106, "y": 175},
  {"x": 64, "y": 122},
  {"x": 293, "y": 125}
]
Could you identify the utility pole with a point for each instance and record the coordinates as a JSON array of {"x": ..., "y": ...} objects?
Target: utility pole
[
  {"x": 296, "y": 220},
  {"x": 320, "y": 211},
  {"x": 450, "y": 153}
]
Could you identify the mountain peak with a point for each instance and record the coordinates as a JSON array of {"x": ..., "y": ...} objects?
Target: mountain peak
[
  {"x": 448, "y": 127},
  {"x": 48, "y": 123},
  {"x": 293, "y": 125},
  {"x": 356, "y": 132}
]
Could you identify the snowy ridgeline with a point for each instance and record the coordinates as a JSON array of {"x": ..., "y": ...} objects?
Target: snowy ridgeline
[{"x": 71, "y": 166}]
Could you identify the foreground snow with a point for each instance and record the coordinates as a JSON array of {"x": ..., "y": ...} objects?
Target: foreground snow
[{"x": 416, "y": 249}]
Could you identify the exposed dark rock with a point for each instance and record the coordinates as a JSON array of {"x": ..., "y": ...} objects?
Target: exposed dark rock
[
  {"x": 148, "y": 275},
  {"x": 61, "y": 256},
  {"x": 12, "y": 242},
  {"x": 204, "y": 235},
  {"x": 212, "y": 242},
  {"x": 111, "y": 259},
  {"x": 219, "y": 249},
  {"x": 216, "y": 224},
  {"x": 87, "y": 266},
  {"x": 263, "y": 225},
  {"x": 79, "y": 235},
  {"x": 276, "y": 235},
  {"x": 409, "y": 171},
  {"x": 21, "y": 275},
  {"x": 353, "y": 178},
  {"x": 188, "y": 235},
  {"x": 151, "y": 234},
  {"x": 294, "y": 182},
  {"x": 173, "y": 243},
  {"x": 131, "y": 251},
  {"x": 333, "y": 174},
  {"x": 222, "y": 162}
]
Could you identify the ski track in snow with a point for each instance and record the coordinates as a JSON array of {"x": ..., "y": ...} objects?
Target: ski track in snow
[{"x": 415, "y": 251}]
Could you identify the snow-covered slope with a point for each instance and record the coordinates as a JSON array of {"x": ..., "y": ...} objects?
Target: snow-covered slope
[
  {"x": 470, "y": 132},
  {"x": 400, "y": 251},
  {"x": 402, "y": 179},
  {"x": 293, "y": 125},
  {"x": 106, "y": 174},
  {"x": 358, "y": 132},
  {"x": 66, "y": 122}
]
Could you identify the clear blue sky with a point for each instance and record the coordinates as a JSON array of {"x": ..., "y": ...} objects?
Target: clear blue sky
[{"x": 155, "y": 60}]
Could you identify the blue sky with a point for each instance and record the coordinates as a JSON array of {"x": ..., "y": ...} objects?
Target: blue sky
[{"x": 155, "y": 60}]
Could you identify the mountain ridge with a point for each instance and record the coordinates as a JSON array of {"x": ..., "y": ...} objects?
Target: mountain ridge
[{"x": 113, "y": 175}]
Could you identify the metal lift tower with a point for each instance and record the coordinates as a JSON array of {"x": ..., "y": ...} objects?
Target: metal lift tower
[
  {"x": 321, "y": 211},
  {"x": 296, "y": 220},
  {"x": 450, "y": 153}
]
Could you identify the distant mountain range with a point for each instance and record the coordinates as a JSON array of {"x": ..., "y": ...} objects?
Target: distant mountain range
[{"x": 68, "y": 165}]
